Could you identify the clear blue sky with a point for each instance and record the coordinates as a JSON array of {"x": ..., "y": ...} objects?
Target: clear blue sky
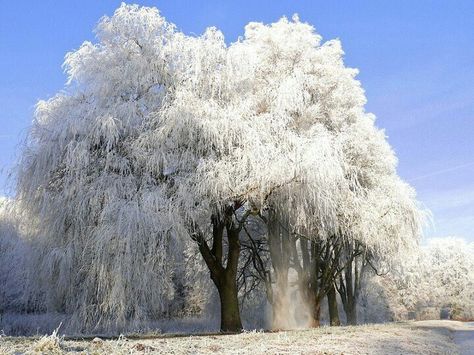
[{"x": 416, "y": 61}]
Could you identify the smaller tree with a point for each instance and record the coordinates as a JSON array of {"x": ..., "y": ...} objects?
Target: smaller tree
[{"x": 438, "y": 276}]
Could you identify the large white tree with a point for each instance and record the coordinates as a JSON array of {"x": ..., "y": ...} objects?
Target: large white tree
[
  {"x": 226, "y": 156},
  {"x": 105, "y": 251},
  {"x": 160, "y": 139},
  {"x": 305, "y": 86}
]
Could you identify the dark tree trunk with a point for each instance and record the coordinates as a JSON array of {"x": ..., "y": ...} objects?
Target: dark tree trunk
[
  {"x": 351, "y": 313},
  {"x": 230, "y": 313},
  {"x": 350, "y": 283},
  {"x": 332, "y": 305},
  {"x": 224, "y": 277},
  {"x": 347, "y": 288}
]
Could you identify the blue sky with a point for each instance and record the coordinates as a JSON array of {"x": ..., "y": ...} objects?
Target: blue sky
[{"x": 416, "y": 61}]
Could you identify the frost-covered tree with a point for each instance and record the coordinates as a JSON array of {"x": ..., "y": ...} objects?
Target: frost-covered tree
[
  {"x": 439, "y": 277},
  {"x": 449, "y": 271},
  {"x": 236, "y": 151},
  {"x": 380, "y": 217},
  {"x": 386, "y": 229},
  {"x": 160, "y": 140},
  {"x": 153, "y": 140},
  {"x": 105, "y": 252},
  {"x": 306, "y": 87},
  {"x": 293, "y": 79}
]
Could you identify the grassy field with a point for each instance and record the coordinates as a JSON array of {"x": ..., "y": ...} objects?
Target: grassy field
[{"x": 434, "y": 337}]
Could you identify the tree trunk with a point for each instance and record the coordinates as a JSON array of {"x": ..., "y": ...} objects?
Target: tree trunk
[
  {"x": 281, "y": 304},
  {"x": 350, "y": 283},
  {"x": 333, "y": 311},
  {"x": 349, "y": 296},
  {"x": 314, "y": 314},
  {"x": 278, "y": 242},
  {"x": 224, "y": 277},
  {"x": 230, "y": 313},
  {"x": 351, "y": 313}
]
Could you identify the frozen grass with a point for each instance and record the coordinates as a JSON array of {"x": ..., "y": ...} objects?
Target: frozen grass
[
  {"x": 394, "y": 338},
  {"x": 15, "y": 324},
  {"x": 48, "y": 344}
]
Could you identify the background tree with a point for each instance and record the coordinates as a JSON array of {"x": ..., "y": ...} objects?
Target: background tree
[{"x": 439, "y": 277}]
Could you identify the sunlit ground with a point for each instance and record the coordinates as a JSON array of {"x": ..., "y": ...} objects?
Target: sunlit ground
[{"x": 425, "y": 337}]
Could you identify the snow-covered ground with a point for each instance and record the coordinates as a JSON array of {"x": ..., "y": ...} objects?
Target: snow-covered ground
[{"x": 427, "y": 337}]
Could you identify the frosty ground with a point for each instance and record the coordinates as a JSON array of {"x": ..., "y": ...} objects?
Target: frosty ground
[{"x": 424, "y": 337}]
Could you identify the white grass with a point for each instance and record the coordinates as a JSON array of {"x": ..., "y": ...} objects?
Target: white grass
[
  {"x": 396, "y": 338},
  {"x": 48, "y": 344}
]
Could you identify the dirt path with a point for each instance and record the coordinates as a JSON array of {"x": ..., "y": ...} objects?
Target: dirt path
[
  {"x": 464, "y": 338},
  {"x": 462, "y": 333}
]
